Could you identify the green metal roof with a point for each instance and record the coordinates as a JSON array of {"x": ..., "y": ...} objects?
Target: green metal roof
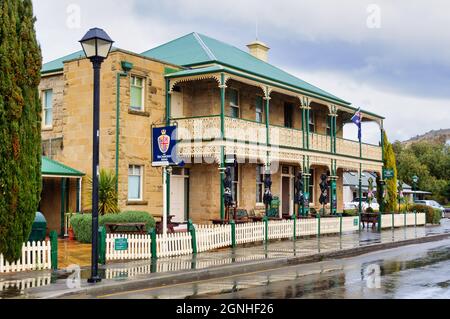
[
  {"x": 197, "y": 49},
  {"x": 58, "y": 64},
  {"x": 53, "y": 168}
]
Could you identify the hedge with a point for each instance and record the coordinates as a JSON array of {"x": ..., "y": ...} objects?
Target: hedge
[
  {"x": 82, "y": 223},
  {"x": 433, "y": 215}
]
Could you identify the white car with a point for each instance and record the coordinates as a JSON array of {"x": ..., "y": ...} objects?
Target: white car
[{"x": 375, "y": 206}]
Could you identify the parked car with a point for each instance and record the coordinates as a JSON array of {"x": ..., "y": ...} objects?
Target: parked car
[
  {"x": 355, "y": 204},
  {"x": 432, "y": 203}
]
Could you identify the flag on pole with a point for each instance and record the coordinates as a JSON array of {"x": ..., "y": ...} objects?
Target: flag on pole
[{"x": 357, "y": 119}]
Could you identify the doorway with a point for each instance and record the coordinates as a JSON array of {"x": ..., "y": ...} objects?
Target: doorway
[
  {"x": 287, "y": 190},
  {"x": 179, "y": 193},
  {"x": 177, "y": 104}
]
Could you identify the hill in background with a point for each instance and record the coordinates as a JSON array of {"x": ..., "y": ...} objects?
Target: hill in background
[{"x": 440, "y": 136}]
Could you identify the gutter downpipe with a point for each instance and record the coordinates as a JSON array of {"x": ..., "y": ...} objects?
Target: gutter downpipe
[{"x": 126, "y": 68}]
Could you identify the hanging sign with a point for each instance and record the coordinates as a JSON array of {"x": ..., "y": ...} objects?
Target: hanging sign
[
  {"x": 164, "y": 141},
  {"x": 388, "y": 173}
]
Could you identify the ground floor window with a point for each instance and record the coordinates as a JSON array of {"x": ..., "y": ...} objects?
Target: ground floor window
[
  {"x": 260, "y": 184},
  {"x": 312, "y": 183},
  {"x": 135, "y": 182},
  {"x": 235, "y": 183}
]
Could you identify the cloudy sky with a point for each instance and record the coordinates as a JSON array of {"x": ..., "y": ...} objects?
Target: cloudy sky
[{"x": 388, "y": 57}]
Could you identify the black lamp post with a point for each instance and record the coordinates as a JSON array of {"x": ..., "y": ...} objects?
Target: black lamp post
[
  {"x": 415, "y": 181},
  {"x": 96, "y": 45}
]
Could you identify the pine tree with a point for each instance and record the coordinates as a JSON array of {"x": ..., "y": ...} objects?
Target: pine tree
[
  {"x": 390, "y": 163},
  {"x": 20, "y": 123}
]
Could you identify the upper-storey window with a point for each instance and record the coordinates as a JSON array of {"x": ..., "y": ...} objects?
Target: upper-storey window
[
  {"x": 48, "y": 108},
  {"x": 259, "y": 109},
  {"x": 233, "y": 96},
  {"x": 137, "y": 93},
  {"x": 312, "y": 122},
  {"x": 288, "y": 118},
  {"x": 328, "y": 126}
]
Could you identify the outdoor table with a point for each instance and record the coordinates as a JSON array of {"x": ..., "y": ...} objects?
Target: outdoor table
[{"x": 113, "y": 228}]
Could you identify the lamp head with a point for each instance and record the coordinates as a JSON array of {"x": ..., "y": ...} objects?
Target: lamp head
[{"x": 96, "y": 44}]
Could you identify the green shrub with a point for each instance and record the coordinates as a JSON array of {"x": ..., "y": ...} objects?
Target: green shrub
[
  {"x": 370, "y": 210},
  {"x": 350, "y": 213},
  {"x": 82, "y": 224},
  {"x": 437, "y": 217},
  {"x": 433, "y": 215}
]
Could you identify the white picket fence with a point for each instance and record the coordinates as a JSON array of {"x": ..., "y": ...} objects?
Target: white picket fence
[
  {"x": 250, "y": 233},
  {"x": 209, "y": 237},
  {"x": 212, "y": 237},
  {"x": 307, "y": 227},
  {"x": 172, "y": 245},
  {"x": 35, "y": 256},
  {"x": 24, "y": 284},
  {"x": 139, "y": 247},
  {"x": 399, "y": 220}
]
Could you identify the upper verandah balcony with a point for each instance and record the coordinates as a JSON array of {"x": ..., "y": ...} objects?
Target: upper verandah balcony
[{"x": 294, "y": 121}]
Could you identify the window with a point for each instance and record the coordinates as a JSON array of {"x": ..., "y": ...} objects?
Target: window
[
  {"x": 328, "y": 127},
  {"x": 288, "y": 115},
  {"x": 233, "y": 96},
  {"x": 135, "y": 182},
  {"x": 312, "y": 122},
  {"x": 259, "y": 109},
  {"x": 137, "y": 93},
  {"x": 235, "y": 183},
  {"x": 48, "y": 108},
  {"x": 311, "y": 186},
  {"x": 260, "y": 184}
]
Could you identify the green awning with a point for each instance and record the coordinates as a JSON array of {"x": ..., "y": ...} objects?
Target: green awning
[{"x": 54, "y": 168}]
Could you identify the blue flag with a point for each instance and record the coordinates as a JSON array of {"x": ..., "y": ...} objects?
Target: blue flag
[{"x": 357, "y": 119}]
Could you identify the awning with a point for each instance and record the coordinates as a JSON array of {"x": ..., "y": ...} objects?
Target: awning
[{"x": 51, "y": 168}]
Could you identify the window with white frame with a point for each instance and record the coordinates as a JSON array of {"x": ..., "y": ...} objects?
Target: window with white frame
[
  {"x": 233, "y": 96},
  {"x": 47, "y": 108},
  {"x": 135, "y": 182},
  {"x": 260, "y": 183},
  {"x": 137, "y": 93},
  {"x": 235, "y": 183},
  {"x": 259, "y": 109}
]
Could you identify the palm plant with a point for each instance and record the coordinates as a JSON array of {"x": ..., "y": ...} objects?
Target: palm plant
[{"x": 107, "y": 193}]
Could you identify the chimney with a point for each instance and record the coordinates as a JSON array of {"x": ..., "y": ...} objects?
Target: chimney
[{"x": 259, "y": 50}]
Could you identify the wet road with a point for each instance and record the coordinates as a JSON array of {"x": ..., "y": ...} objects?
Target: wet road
[{"x": 418, "y": 271}]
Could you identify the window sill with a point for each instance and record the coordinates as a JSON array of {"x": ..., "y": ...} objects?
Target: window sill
[
  {"x": 47, "y": 129},
  {"x": 137, "y": 203},
  {"x": 139, "y": 113}
]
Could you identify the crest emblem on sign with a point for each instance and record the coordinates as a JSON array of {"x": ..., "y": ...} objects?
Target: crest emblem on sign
[{"x": 164, "y": 142}]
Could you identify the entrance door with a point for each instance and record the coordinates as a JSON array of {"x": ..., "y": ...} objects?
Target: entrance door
[
  {"x": 286, "y": 194},
  {"x": 177, "y": 104},
  {"x": 178, "y": 198}
]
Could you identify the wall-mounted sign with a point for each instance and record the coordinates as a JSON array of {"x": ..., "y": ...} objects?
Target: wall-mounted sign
[
  {"x": 164, "y": 140},
  {"x": 121, "y": 244}
]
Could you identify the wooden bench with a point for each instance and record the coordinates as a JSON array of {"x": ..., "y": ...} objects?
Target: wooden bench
[
  {"x": 367, "y": 218},
  {"x": 113, "y": 228}
]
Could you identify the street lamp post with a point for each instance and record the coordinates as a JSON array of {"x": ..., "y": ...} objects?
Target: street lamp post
[
  {"x": 96, "y": 46},
  {"x": 415, "y": 181}
]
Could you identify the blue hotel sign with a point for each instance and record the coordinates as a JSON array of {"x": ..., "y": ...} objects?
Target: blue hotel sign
[{"x": 164, "y": 140}]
